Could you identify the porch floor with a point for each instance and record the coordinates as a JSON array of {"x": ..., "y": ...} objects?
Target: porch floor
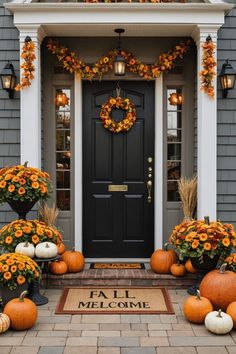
[{"x": 126, "y": 277}]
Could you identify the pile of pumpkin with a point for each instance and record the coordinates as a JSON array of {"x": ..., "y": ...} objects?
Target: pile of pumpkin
[
  {"x": 166, "y": 261},
  {"x": 217, "y": 292}
]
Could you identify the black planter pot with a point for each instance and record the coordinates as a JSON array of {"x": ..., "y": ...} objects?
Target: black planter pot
[
  {"x": 21, "y": 208},
  {"x": 6, "y": 294}
]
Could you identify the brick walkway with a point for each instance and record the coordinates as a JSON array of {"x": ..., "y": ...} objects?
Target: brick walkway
[{"x": 115, "y": 334}]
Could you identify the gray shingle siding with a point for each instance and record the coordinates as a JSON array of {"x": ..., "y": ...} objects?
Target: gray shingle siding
[
  {"x": 9, "y": 109},
  {"x": 226, "y": 126}
]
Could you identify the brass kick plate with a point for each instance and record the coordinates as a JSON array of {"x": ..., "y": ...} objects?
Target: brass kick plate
[{"x": 117, "y": 188}]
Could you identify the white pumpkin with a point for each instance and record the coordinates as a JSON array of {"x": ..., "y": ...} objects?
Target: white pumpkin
[
  {"x": 46, "y": 250},
  {"x": 4, "y": 322},
  {"x": 218, "y": 322},
  {"x": 25, "y": 248}
]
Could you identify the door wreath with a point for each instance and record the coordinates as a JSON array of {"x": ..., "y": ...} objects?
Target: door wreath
[{"x": 120, "y": 103}]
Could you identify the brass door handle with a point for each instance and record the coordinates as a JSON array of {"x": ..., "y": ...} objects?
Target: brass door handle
[{"x": 149, "y": 188}]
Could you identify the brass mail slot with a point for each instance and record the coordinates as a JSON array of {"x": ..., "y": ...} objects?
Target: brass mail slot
[{"x": 118, "y": 188}]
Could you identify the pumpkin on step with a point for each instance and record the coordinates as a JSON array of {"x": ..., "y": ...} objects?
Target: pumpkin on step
[
  {"x": 61, "y": 248},
  {"x": 178, "y": 270},
  {"x": 46, "y": 250},
  {"x": 219, "y": 286},
  {"x": 58, "y": 267},
  {"x": 74, "y": 260},
  {"x": 25, "y": 248},
  {"x": 162, "y": 260},
  {"x": 196, "y": 308},
  {"x": 231, "y": 310},
  {"x": 22, "y": 312},
  {"x": 189, "y": 267},
  {"x": 4, "y": 322},
  {"x": 218, "y": 322}
]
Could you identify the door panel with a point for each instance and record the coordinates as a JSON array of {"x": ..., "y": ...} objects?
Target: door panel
[{"x": 117, "y": 224}]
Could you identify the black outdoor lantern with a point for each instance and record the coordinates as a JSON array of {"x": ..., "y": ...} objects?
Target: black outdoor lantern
[
  {"x": 119, "y": 62},
  {"x": 61, "y": 100},
  {"x": 8, "y": 79},
  {"x": 227, "y": 78}
]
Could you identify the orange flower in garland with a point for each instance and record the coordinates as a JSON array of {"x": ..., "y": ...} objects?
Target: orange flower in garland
[
  {"x": 119, "y": 103},
  {"x": 72, "y": 63},
  {"x": 209, "y": 67},
  {"x": 28, "y": 56}
]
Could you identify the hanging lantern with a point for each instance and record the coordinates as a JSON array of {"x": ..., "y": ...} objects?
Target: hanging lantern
[
  {"x": 175, "y": 99},
  {"x": 61, "y": 100},
  {"x": 119, "y": 62},
  {"x": 8, "y": 79},
  {"x": 227, "y": 78}
]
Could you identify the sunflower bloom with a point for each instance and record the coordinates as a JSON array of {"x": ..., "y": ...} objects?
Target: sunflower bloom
[
  {"x": 20, "y": 279},
  {"x": 13, "y": 268},
  {"x": 15, "y": 179},
  {"x": 33, "y": 178},
  {"x": 7, "y": 276},
  {"x": 22, "y": 181},
  {"x": 195, "y": 244},
  {"x": 35, "y": 185},
  {"x": 3, "y": 184},
  {"x": 39, "y": 231},
  {"x": 26, "y": 229},
  {"x": 207, "y": 246},
  {"x": 11, "y": 188},
  {"x": 188, "y": 238},
  {"x": 21, "y": 266},
  {"x": 10, "y": 261},
  {"x": 35, "y": 239},
  {"x": 226, "y": 242},
  {"x": 21, "y": 190},
  {"x": 18, "y": 233},
  {"x": 5, "y": 268},
  {"x": 8, "y": 240},
  {"x": 203, "y": 237}
]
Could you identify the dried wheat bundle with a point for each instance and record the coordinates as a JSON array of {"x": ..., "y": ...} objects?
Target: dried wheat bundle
[
  {"x": 48, "y": 214},
  {"x": 188, "y": 195}
]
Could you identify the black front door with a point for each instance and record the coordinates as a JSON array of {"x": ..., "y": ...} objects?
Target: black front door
[{"x": 118, "y": 224}]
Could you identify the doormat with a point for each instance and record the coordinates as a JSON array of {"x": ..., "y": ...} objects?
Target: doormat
[
  {"x": 114, "y": 300},
  {"x": 117, "y": 266}
]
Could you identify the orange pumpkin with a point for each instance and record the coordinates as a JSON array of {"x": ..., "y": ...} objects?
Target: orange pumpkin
[
  {"x": 231, "y": 310},
  {"x": 189, "y": 267},
  {"x": 196, "y": 308},
  {"x": 74, "y": 260},
  {"x": 61, "y": 248},
  {"x": 162, "y": 260},
  {"x": 219, "y": 286},
  {"x": 178, "y": 270},
  {"x": 22, "y": 312},
  {"x": 58, "y": 267}
]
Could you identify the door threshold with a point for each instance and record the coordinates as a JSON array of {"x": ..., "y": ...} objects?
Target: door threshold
[{"x": 117, "y": 260}]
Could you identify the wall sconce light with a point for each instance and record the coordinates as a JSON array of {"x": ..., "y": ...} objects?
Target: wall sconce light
[
  {"x": 8, "y": 79},
  {"x": 61, "y": 100},
  {"x": 119, "y": 62},
  {"x": 227, "y": 78},
  {"x": 175, "y": 99}
]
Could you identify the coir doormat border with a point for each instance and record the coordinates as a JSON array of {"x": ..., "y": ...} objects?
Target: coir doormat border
[
  {"x": 117, "y": 265},
  {"x": 59, "y": 309}
]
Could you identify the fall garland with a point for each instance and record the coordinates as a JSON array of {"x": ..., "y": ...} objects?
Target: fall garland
[
  {"x": 209, "y": 67},
  {"x": 142, "y": 1},
  {"x": 72, "y": 63},
  {"x": 119, "y": 103}
]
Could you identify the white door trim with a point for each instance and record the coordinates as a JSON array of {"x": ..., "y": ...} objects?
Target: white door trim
[{"x": 158, "y": 170}]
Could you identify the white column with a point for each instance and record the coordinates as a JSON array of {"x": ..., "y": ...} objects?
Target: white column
[
  {"x": 31, "y": 103},
  {"x": 207, "y": 134}
]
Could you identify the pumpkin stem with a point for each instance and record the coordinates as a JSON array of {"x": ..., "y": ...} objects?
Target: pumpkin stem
[
  {"x": 26, "y": 244},
  {"x": 25, "y": 164},
  {"x": 23, "y": 295},
  {"x": 73, "y": 249},
  {"x": 166, "y": 246},
  {"x": 207, "y": 220},
  {"x": 223, "y": 268},
  {"x": 47, "y": 245},
  {"x": 198, "y": 294},
  {"x": 219, "y": 313}
]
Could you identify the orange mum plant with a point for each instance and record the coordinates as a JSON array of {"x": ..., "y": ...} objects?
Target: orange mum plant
[
  {"x": 33, "y": 231},
  {"x": 195, "y": 238},
  {"x": 16, "y": 269},
  {"x": 209, "y": 67},
  {"x": 73, "y": 64},
  {"x": 24, "y": 183},
  {"x": 28, "y": 56}
]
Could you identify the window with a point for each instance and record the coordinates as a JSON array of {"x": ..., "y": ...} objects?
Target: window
[
  {"x": 174, "y": 142},
  {"x": 63, "y": 148}
]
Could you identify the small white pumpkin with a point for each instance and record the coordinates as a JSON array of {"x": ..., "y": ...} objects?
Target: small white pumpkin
[
  {"x": 218, "y": 322},
  {"x": 4, "y": 322},
  {"x": 46, "y": 250},
  {"x": 25, "y": 248}
]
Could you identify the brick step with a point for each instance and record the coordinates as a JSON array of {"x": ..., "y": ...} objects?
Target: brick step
[{"x": 126, "y": 277}]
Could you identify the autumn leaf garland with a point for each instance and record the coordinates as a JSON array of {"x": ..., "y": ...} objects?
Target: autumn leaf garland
[
  {"x": 28, "y": 56},
  {"x": 209, "y": 67}
]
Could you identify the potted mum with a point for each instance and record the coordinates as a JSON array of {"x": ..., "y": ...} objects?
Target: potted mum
[
  {"x": 16, "y": 273},
  {"x": 31, "y": 231},
  {"x": 22, "y": 186},
  {"x": 203, "y": 241}
]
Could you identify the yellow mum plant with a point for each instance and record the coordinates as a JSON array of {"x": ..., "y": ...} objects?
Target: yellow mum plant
[{"x": 16, "y": 269}]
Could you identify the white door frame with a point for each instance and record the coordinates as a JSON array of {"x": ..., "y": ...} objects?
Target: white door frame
[{"x": 158, "y": 170}]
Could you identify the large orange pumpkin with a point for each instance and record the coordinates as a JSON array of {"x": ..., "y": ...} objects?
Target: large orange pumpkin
[
  {"x": 219, "y": 286},
  {"x": 74, "y": 260},
  {"x": 61, "y": 248},
  {"x": 189, "y": 267},
  {"x": 196, "y": 308},
  {"x": 58, "y": 267},
  {"x": 162, "y": 260},
  {"x": 22, "y": 312},
  {"x": 178, "y": 270},
  {"x": 231, "y": 310}
]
